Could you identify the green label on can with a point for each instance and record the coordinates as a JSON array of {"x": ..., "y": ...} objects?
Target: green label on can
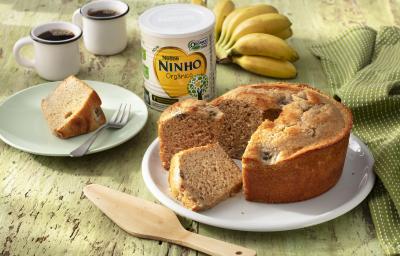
[
  {"x": 143, "y": 54},
  {"x": 146, "y": 71}
]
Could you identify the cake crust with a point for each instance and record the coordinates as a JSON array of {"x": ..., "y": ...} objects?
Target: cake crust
[
  {"x": 306, "y": 147},
  {"x": 301, "y": 177}
]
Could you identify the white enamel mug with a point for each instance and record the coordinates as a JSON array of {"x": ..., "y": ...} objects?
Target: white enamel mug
[
  {"x": 54, "y": 60},
  {"x": 103, "y": 35}
]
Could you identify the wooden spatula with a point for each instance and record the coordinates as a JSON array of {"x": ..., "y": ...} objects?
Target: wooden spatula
[{"x": 146, "y": 219}]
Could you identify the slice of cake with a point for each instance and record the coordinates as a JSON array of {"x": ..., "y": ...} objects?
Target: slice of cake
[
  {"x": 187, "y": 124},
  {"x": 72, "y": 109},
  {"x": 245, "y": 108},
  {"x": 201, "y": 177}
]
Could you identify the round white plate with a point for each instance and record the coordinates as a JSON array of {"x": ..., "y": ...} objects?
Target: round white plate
[
  {"x": 236, "y": 213},
  {"x": 23, "y": 125}
]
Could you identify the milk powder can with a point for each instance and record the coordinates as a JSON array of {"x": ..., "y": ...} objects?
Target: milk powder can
[{"x": 178, "y": 54}]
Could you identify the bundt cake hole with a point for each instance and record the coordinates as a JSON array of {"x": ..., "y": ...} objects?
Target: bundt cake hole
[{"x": 271, "y": 114}]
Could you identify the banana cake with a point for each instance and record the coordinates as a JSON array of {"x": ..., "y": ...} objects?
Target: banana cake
[
  {"x": 201, "y": 177},
  {"x": 187, "y": 124},
  {"x": 72, "y": 109},
  {"x": 300, "y": 153},
  {"x": 292, "y": 139}
]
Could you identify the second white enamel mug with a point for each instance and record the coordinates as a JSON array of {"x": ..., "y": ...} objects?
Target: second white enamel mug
[{"x": 103, "y": 35}]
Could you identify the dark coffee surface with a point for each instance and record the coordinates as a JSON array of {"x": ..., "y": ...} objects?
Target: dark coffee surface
[
  {"x": 56, "y": 35},
  {"x": 102, "y": 13}
]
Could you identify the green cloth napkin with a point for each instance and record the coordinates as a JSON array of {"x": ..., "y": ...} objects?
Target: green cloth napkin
[{"x": 363, "y": 69}]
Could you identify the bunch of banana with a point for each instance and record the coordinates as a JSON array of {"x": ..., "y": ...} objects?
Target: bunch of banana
[
  {"x": 221, "y": 11},
  {"x": 253, "y": 37},
  {"x": 200, "y": 2}
]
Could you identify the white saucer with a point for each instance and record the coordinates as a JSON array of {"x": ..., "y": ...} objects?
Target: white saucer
[
  {"x": 24, "y": 127},
  {"x": 236, "y": 213}
]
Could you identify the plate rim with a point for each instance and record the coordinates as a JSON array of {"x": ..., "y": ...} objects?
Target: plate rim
[
  {"x": 337, "y": 212},
  {"x": 96, "y": 150}
]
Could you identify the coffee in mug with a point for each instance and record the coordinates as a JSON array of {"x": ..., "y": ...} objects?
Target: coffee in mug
[
  {"x": 56, "y": 35},
  {"x": 103, "y": 23},
  {"x": 102, "y": 13},
  {"x": 56, "y": 50}
]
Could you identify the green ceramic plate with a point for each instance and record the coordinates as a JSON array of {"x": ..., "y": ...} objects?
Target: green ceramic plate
[
  {"x": 236, "y": 213},
  {"x": 23, "y": 126}
]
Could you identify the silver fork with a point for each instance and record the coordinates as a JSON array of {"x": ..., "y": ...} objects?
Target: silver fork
[{"x": 117, "y": 121}]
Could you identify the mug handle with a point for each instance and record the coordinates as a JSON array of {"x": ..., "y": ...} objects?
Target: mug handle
[
  {"x": 77, "y": 18},
  {"x": 16, "y": 50}
]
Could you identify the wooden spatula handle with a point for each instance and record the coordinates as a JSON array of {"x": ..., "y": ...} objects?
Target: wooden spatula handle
[{"x": 213, "y": 246}]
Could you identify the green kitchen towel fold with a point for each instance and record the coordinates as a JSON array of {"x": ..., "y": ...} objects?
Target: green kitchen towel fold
[{"x": 363, "y": 69}]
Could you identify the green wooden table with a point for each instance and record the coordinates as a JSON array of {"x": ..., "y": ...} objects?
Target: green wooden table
[{"x": 42, "y": 208}]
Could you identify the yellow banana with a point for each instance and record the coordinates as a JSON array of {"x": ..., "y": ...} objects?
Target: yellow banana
[
  {"x": 264, "y": 45},
  {"x": 284, "y": 34},
  {"x": 266, "y": 66},
  {"x": 200, "y": 2},
  {"x": 220, "y": 52},
  {"x": 269, "y": 23},
  {"x": 221, "y": 11},
  {"x": 244, "y": 14},
  {"x": 227, "y": 22}
]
